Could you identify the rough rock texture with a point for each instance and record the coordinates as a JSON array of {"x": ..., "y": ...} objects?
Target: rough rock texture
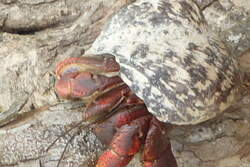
[
  {"x": 28, "y": 55},
  {"x": 230, "y": 19},
  {"x": 24, "y": 143},
  {"x": 36, "y": 34}
]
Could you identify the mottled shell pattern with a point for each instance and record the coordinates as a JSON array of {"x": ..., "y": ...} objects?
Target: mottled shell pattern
[{"x": 171, "y": 60}]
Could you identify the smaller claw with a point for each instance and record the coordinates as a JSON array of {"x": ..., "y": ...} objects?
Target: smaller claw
[{"x": 105, "y": 104}]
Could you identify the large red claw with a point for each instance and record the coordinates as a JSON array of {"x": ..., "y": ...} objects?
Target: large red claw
[
  {"x": 80, "y": 77},
  {"x": 103, "y": 64},
  {"x": 64, "y": 85},
  {"x": 83, "y": 84}
]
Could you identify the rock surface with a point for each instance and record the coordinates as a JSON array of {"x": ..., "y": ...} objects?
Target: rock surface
[
  {"x": 36, "y": 34},
  {"x": 230, "y": 19}
]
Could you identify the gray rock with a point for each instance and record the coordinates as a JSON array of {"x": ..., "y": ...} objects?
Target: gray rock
[
  {"x": 34, "y": 37},
  {"x": 231, "y": 20}
]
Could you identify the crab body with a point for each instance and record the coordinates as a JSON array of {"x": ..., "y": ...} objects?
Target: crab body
[{"x": 120, "y": 119}]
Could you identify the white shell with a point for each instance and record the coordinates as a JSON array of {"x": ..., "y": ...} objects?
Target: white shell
[{"x": 169, "y": 58}]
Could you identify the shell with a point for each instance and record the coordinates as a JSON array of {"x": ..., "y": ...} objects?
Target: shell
[{"x": 171, "y": 60}]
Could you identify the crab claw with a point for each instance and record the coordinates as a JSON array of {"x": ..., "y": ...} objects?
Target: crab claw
[
  {"x": 102, "y": 64},
  {"x": 83, "y": 84},
  {"x": 76, "y": 80},
  {"x": 106, "y": 103}
]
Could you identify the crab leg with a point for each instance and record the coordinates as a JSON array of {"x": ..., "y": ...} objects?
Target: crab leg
[
  {"x": 105, "y": 130},
  {"x": 125, "y": 144},
  {"x": 157, "y": 149},
  {"x": 106, "y": 103}
]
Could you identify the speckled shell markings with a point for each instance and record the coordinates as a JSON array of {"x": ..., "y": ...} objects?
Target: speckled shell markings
[{"x": 170, "y": 60}]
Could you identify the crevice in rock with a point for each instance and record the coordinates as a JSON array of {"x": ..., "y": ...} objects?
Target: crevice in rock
[
  {"x": 208, "y": 5},
  {"x": 10, "y": 114},
  {"x": 26, "y": 31},
  {"x": 21, "y": 31},
  {"x": 37, "y": 3}
]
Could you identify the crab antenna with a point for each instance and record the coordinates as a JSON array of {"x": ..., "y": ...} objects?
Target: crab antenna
[
  {"x": 82, "y": 126},
  {"x": 64, "y": 150},
  {"x": 87, "y": 125},
  {"x": 79, "y": 124}
]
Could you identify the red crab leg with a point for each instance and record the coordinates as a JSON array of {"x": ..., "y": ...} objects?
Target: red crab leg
[
  {"x": 106, "y": 103},
  {"x": 106, "y": 129},
  {"x": 157, "y": 149},
  {"x": 125, "y": 144}
]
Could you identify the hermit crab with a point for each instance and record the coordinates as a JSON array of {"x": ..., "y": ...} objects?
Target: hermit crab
[{"x": 173, "y": 70}]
